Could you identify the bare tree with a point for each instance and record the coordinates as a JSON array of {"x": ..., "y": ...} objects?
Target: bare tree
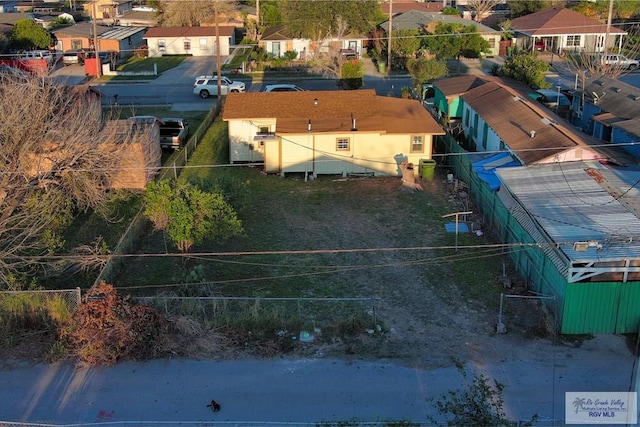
[
  {"x": 57, "y": 154},
  {"x": 195, "y": 13},
  {"x": 587, "y": 63},
  {"x": 481, "y": 8}
]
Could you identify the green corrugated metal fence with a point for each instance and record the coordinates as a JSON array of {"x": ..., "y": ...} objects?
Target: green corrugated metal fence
[{"x": 581, "y": 308}]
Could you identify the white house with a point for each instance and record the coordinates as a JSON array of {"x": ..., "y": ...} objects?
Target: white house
[{"x": 194, "y": 41}]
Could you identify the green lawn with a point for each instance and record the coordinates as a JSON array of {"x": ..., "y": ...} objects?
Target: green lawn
[{"x": 163, "y": 63}]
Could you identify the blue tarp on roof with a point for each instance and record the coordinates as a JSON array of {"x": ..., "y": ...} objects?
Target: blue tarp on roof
[{"x": 485, "y": 168}]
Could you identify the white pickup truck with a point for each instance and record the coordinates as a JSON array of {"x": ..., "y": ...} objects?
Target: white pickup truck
[{"x": 206, "y": 86}]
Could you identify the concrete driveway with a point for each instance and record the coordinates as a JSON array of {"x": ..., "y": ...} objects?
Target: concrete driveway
[{"x": 187, "y": 71}]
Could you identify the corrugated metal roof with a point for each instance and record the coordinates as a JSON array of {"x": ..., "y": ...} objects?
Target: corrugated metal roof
[
  {"x": 514, "y": 119},
  {"x": 581, "y": 202},
  {"x": 121, "y": 33}
]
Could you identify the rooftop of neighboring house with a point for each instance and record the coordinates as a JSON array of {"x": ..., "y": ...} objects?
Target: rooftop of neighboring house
[
  {"x": 85, "y": 29},
  {"x": 332, "y": 111},
  {"x": 614, "y": 96},
  {"x": 402, "y": 6},
  {"x": 140, "y": 17},
  {"x": 559, "y": 21},
  {"x": 416, "y": 20},
  {"x": 515, "y": 120},
  {"x": 601, "y": 203},
  {"x": 224, "y": 31},
  {"x": 12, "y": 18},
  {"x": 458, "y": 85}
]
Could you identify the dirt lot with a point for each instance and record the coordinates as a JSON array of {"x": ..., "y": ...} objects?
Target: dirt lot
[{"x": 434, "y": 305}]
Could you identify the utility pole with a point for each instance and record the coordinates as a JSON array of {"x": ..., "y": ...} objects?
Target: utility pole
[
  {"x": 606, "y": 37},
  {"x": 95, "y": 40},
  {"x": 390, "y": 30},
  {"x": 216, "y": 15}
]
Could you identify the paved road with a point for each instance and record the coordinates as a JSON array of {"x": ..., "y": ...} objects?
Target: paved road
[
  {"x": 174, "y": 87},
  {"x": 285, "y": 391}
]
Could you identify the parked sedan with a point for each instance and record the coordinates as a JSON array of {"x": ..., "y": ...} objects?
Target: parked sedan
[{"x": 71, "y": 57}]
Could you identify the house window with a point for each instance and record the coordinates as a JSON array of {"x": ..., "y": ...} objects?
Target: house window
[
  {"x": 187, "y": 44},
  {"x": 264, "y": 130},
  {"x": 573, "y": 41},
  {"x": 342, "y": 144},
  {"x": 417, "y": 144},
  {"x": 129, "y": 41},
  {"x": 503, "y": 146},
  {"x": 492, "y": 42},
  {"x": 353, "y": 44},
  {"x": 600, "y": 42},
  {"x": 466, "y": 118},
  {"x": 203, "y": 44},
  {"x": 76, "y": 44},
  {"x": 275, "y": 49},
  {"x": 162, "y": 45}
]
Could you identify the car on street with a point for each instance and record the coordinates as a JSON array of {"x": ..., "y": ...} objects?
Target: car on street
[
  {"x": 206, "y": 86},
  {"x": 282, "y": 87},
  {"x": 621, "y": 61},
  {"x": 74, "y": 56}
]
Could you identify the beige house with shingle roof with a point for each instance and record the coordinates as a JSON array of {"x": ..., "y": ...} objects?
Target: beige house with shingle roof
[
  {"x": 564, "y": 30},
  {"x": 328, "y": 132}
]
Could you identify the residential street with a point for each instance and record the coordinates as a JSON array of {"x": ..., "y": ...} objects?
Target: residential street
[{"x": 283, "y": 391}]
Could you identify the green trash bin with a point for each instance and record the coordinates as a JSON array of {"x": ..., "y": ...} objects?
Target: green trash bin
[
  {"x": 427, "y": 169},
  {"x": 382, "y": 68}
]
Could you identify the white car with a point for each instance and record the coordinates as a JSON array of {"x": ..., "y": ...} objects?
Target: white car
[
  {"x": 206, "y": 86},
  {"x": 621, "y": 61},
  {"x": 282, "y": 87}
]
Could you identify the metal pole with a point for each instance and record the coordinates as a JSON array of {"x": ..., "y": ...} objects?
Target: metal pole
[
  {"x": 95, "y": 41},
  {"x": 390, "y": 30}
]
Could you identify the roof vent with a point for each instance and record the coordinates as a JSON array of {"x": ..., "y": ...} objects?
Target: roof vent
[
  {"x": 617, "y": 89},
  {"x": 532, "y": 133},
  {"x": 636, "y": 98}
]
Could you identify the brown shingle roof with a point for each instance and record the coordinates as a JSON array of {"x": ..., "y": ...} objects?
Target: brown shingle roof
[
  {"x": 557, "y": 21},
  {"x": 334, "y": 111},
  {"x": 225, "y": 31},
  {"x": 513, "y": 119},
  {"x": 402, "y": 6}
]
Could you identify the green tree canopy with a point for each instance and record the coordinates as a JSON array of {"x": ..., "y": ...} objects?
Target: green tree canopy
[
  {"x": 405, "y": 43},
  {"x": 27, "y": 34},
  {"x": 525, "y": 7},
  {"x": 316, "y": 19},
  {"x": 456, "y": 40},
  {"x": 527, "y": 68},
  {"x": 424, "y": 70},
  {"x": 189, "y": 215}
]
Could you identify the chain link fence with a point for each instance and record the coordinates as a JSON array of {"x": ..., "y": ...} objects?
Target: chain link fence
[{"x": 21, "y": 310}]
